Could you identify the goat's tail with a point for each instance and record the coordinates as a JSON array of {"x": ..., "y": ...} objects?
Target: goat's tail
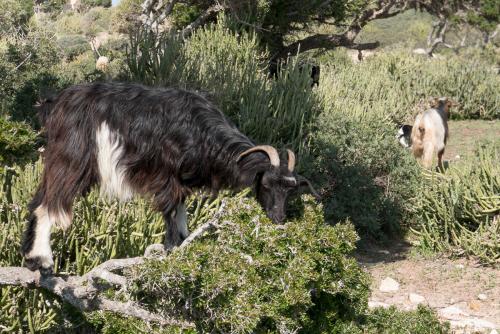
[{"x": 44, "y": 108}]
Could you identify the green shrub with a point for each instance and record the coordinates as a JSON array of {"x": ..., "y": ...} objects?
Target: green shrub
[
  {"x": 391, "y": 321},
  {"x": 97, "y": 19},
  {"x": 459, "y": 209},
  {"x": 365, "y": 175},
  {"x": 391, "y": 84},
  {"x": 306, "y": 253},
  {"x": 124, "y": 17},
  {"x": 183, "y": 14},
  {"x": 100, "y": 231},
  {"x": 254, "y": 276},
  {"x": 73, "y": 45},
  {"x": 96, "y": 3},
  {"x": 17, "y": 142},
  {"x": 26, "y": 63},
  {"x": 14, "y": 14},
  {"x": 235, "y": 75},
  {"x": 68, "y": 23}
]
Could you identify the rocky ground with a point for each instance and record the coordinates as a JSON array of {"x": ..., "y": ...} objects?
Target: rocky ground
[{"x": 462, "y": 292}]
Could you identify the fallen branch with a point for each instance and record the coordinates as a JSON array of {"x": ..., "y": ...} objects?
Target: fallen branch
[{"x": 83, "y": 292}]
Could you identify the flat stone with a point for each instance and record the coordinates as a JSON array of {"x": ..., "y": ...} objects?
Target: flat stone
[
  {"x": 482, "y": 296},
  {"x": 389, "y": 285},
  {"x": 452, "y": 313},
  {"x": 475, "y": 324},
  {"x": 416, "y": 299}
]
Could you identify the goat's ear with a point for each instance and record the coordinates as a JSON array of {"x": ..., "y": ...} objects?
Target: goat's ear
[{"x": 305, "y": 184}]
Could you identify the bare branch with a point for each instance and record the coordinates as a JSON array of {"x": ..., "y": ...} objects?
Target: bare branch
[
  {"x": 384, "y": 9},
  {"x": 439, "y": 30},
  {"x": 201, "y": 19},
  {"x": 84, "y": 293}
]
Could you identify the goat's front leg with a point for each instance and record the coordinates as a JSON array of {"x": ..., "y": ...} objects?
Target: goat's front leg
[{"x": 175, "y": 226}]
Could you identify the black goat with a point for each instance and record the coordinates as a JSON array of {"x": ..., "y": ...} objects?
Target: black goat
[
  {"x": 275, "y": 67},
  {"x": 131, "y": 139}
]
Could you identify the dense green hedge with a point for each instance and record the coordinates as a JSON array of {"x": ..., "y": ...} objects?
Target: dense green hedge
[
  {"x": 459, "y": 210},
  {"x": 364, "y": 173}
]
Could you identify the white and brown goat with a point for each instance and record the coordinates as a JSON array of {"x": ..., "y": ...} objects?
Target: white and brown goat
[{"x": 430, "y": 132}]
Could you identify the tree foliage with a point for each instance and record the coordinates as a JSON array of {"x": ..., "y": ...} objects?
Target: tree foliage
[
  {"x": 14, "y": 14},
  {"x": 284, "y": 27}
]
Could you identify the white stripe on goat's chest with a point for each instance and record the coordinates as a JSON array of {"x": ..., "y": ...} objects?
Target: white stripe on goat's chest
[{"x": 113, "y": 176}]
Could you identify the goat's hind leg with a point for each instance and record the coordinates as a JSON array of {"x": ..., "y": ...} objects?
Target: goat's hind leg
[
  {"x": 440, "y": 160},
  {"x": 428, "y": 155},
  {"x": 52, "y": 204},
  {"x": 36, "y": 243}
]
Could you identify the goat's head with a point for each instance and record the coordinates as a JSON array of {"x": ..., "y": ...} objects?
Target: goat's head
[
  {"x": 404, "y": 135},
  {"x": 445, "y": 104},
  {"x": 276, "y": 183}
]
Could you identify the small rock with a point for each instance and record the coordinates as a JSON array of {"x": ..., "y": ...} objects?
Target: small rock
[
  {"x": 482, "y": 296},
  {"x": 457, "y": 156},
  {"x": 389, "y": 285},
  {"x": 416, "y": 299},
  {"x": 474, "y": 305},
  {"x": 460, "y": 266},
  {"x": 493, "y": 331},
  {"x": 374, "y": 304}
]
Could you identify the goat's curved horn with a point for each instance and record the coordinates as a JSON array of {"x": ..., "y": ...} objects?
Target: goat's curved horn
[
  {"x": 291, "y": 160},
  {"x": 269, "y": 150}
]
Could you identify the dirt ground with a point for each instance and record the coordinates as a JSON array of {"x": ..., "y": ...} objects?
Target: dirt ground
[
  {"x": 443, "y": 283},
  {"x": 460, "y": 290},
  {"x": 464, "y": 135}
]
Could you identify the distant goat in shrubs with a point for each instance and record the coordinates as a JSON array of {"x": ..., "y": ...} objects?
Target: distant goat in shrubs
[
  {"x": 161, "y": 142},
  {"x": 430, "y": 132}
]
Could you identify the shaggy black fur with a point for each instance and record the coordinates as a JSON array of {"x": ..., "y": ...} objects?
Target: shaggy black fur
[{"x": 174, "y": 141}]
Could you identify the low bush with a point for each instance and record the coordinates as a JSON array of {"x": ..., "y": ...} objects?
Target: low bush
[
  {"x": 390, "y": 84},
  {"x": 17, "y": 142},
  {"x": 25, "y": 63},
  {"x": 67, "y": 23},
  {"x": 73, "y": 46},
  {"x": 459, "y": 210},
  {"x": 254, "y": 276},
  {"x": 391, "y": 321},
  {"x": 97, "y": 19},
  {"x": 100, "y": 231},
  {"x": 365, "y": 175}
]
